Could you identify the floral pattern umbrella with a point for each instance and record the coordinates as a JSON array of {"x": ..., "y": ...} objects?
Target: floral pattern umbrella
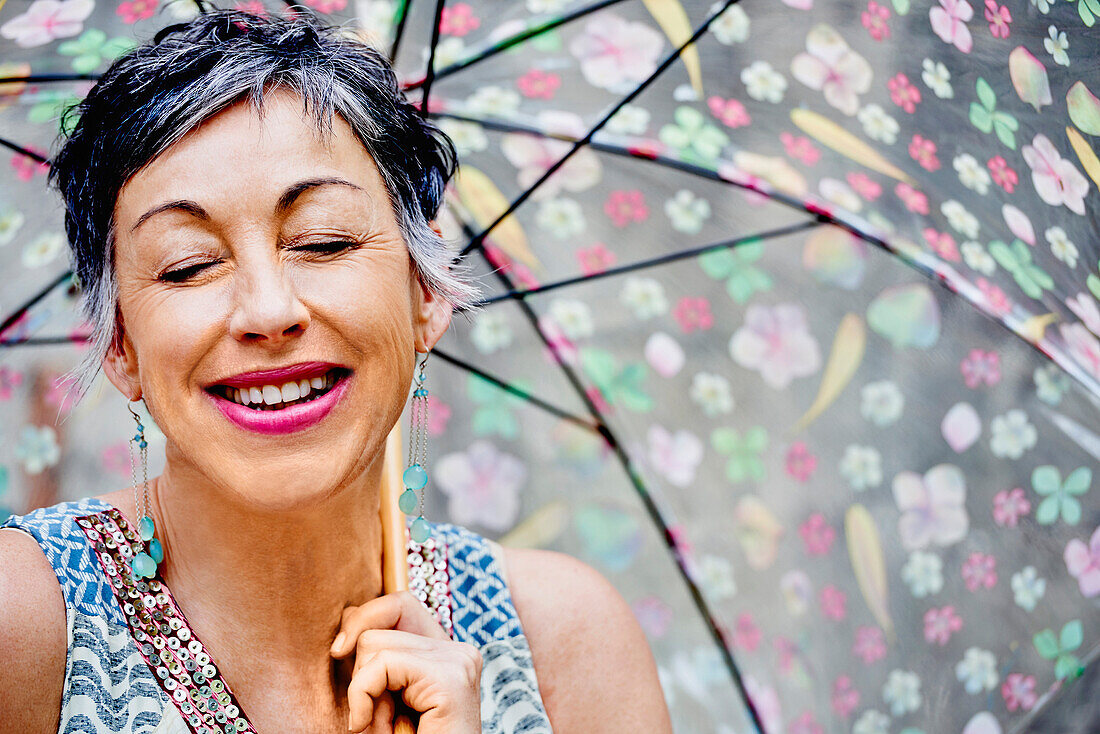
[{"x": 790, "y": 328}]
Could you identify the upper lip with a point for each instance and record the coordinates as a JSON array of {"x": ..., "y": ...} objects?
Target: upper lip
[{"x": 258, "y": 378}]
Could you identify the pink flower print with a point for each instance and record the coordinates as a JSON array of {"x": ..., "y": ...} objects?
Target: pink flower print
[
  {"x": 940, "y": 624},
  {"x": 746, "y": 635},
  {"x": 834, "y": 603},
  {"x": 482, "y": 484},
  {"x": 533, "y": 156},
  {"x": 870, "y": 644},
  {"x": 799, "y": 462},
  {"x": 933, "y": 507},
  {"x": 1082, "y": 346},
  {"x": 845, "y": 699},
  {"x": 537, "y": 84},
  {"x": 46, "y": 20},
  {"x": 828, "y": 64},
  {"x": 693, "y": 313},
  {"x": 1018, "y": 691},
  {"x": 614, "y": 52},
  {"x": 864, "y": 185},
  {"x": 949, "y": 23},
  {"x": 624, "y": 207},
  {"x": 979, "y": 571},
  {"x": 500, "y": 260},
  {"x": 675, "y": 456},
  {"x": 731, "y": 112},
  {"x": 557, "y": 343},
  {"x": 10, "y": 379},
  {"x": 817, "y": 535},
  {"x": 943, "y": 244},
  {"x": 998, "y": 17},
  {"x": 458, "y": 20},
  {"x": 785, "y": 652},
  {"x": 874, "y": 20},
  {"x": 923, "y": 151},
  {"x": 439, "y": 413},
  {"x": 59, "y": 396},
  {"x": 1003, "y": 175},
  {"x": 26, "y": 167},
  {"x": 653, "y": 615},
  {"x": 995, "y": 298},
  {"x": 116, "y": 458},
  {"x": 981, "y": 367},
  {"x": 132, "y": 11},
  {"x": 1009, "y": 505},
  {"x": 800, "y": 148},
  {"x": 902, "y": 91},
  {"x": 805, "y": 724},
  {"x": 595, "y": 259},
  {"x": 775, "y": 340},
  {"x": 914, "y": 200},
  {"x": 256, "y": 7},
  {"x": 1083, "y": 563},
  {"x": 328, "y": 6},
  {"x": 1056, "y": 179}
]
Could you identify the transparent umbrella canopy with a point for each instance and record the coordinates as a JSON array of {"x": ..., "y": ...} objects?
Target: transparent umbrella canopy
[{"x": 790, "y": 328}]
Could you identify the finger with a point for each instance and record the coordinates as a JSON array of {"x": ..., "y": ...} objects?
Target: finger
[
  {"x": 362, "y": 702},
  {"x": 445, "y": 680},
  {"x": 384, "y": 711},
  {"x": 370, "y": 642},
  {"x": 400, "y": 610}
]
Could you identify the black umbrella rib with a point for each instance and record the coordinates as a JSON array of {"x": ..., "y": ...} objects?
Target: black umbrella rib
[
  {"x": 399, "y": 32},
  {"x": 659, "y": 260},
  {"x": 41, "y": 341},
  {"x": 47, "y": 78},
  {"x": 513, "y": 41},
  {"x": 35, "y": 299},
  {"x": 650, "y": 506},
  {"x": 479, "y": 239},
  {"x": 518, "y": 392},
  {"x": 24, "y": 151},
  {"x": 430, "y": 74}
]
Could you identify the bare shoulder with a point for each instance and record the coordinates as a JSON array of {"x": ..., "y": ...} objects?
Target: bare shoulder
[
  {"x": 32, "y": 637},
  {"x": 595, "y": 669}
]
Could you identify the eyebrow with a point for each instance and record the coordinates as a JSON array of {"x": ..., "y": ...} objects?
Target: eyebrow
[{"x": 285, "y": 201}]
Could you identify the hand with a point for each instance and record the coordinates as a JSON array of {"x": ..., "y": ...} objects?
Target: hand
[{"x": 399, "y": 646}]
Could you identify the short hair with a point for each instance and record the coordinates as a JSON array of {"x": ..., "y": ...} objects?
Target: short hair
[{"x": 158, "y": 92}]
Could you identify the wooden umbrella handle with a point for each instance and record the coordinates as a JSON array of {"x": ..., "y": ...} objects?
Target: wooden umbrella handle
[{"x": 395, "y": 570}]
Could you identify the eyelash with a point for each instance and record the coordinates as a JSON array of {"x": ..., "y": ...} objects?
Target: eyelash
[{"x": 183, "y": 274}]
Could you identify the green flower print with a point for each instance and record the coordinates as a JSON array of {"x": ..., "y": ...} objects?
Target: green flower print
[
  {"x": 1060, "y": 649},
  {"x": 1093, "y": 282},
  {"x": 1016, "y": 259},
  {"x": 494, "y": 412},
  {"x": 1089, "y": 10},
  {"x": 745, "y": 452},
  {"x": 736, "y": 267},
  {"x": 693, "y": 138},
  {"x": 92, "y": 49},
  {"x": 985, "y": 117},
  {"x": 1060, "y": 497},
  {"x": 618, "y": 386},
  {"x": 51, "y": 106}
]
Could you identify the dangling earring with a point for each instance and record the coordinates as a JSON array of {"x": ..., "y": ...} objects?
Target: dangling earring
[
  {"x": 415, "y": 476},
  {"x": 145, "y": 562}
]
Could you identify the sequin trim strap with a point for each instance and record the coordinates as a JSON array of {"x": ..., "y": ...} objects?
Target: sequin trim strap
[
  {"x": 182, "y": 664},
  {"x": 428, "y": 578}
]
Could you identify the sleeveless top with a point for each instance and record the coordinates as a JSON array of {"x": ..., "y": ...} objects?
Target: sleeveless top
[{"x": 134, "y": 666}]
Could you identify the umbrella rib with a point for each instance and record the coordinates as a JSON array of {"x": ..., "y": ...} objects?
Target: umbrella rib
[
  {"x": 650, "y": 506},
  {"x": 429, "y": 76},
  {"x": 24, "y": 151},
  {"x": 659, "y": 260},
  {"x": 478, "y": 240},
  {"x": 517, "y": 391},
  {"x": 399, "y": 32},
  {"x": 35, "y": 299},
  {"x": 40, "y": 341},
  {"x": 515, "y": 40}
]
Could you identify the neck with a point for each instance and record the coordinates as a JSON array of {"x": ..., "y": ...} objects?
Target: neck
[{"x": 252, "y": 579}]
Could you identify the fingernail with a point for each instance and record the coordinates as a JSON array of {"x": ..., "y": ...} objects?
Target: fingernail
[{"x": 339, "y": 644}]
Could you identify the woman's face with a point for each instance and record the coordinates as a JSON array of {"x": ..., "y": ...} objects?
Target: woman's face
[{"x": 254, "y": 245}]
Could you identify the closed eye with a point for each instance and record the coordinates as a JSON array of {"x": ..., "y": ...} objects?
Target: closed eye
[
  {"x": 182, "y": 274},
  {"x": 328, "y": 247}
]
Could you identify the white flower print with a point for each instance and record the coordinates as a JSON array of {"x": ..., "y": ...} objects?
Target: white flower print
[
  {"x": 972, "y": 174},
  {"x": 923, "y": 573},
  {"x": 1012, "y": 435},
  {"x": 877, "y": 124},
  {"x": 861, "y": 466},
  {"x": 977, "y": 671},
  {"x": 937, "y": 78},
  {"x": 763, "y": 83},
  {"x": 1028, "y": 588},
  {"x": 712, "y": 393}
]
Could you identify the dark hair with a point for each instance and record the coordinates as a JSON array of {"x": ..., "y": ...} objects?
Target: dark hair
[{"x": 158, "y": 92}]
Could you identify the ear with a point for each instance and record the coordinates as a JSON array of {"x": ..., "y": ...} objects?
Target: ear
[
  {"x": 431, "y": 312},
  {"x": 120, "y": 364}
]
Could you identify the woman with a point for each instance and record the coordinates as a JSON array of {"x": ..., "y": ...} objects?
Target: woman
[{"x": 250, "y": 204}]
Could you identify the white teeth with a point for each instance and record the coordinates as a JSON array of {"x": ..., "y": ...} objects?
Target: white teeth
[
  {"x": 242, "y": 396},
  {"x": 272, "y": 395},
  {"x": 290, "y": 392},
  {"x": 317, "y": 382},
  {"x": 304, "y": 387},
  {"x": 256, "y": 395}
]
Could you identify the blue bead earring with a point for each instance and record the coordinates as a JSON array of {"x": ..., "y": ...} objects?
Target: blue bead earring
[
  {"x": 415, "y": 476},
  {"x": 152, "y": 553}
]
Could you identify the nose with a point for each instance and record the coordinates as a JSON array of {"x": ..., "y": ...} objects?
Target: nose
[{"x": 267, "y": 308}]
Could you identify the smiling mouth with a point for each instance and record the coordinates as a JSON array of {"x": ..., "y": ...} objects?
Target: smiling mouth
[{"x": 282, "y": 395}]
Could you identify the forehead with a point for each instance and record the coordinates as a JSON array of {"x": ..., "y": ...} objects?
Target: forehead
[{"x": 245, "y": 153}]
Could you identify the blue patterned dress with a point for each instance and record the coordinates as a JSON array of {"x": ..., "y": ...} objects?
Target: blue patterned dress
[{"x": 134, "y": 665}]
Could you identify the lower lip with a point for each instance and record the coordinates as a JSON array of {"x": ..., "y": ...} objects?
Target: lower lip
[{"x": 284, "y": 420}]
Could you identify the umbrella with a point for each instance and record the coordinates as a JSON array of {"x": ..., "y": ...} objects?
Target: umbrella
[{"x": 790, "y": 328}]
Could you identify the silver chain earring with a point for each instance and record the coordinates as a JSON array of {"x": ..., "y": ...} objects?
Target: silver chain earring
[
  {"x": 145, "y": 562},
  {"x": 416, "y": 476}
]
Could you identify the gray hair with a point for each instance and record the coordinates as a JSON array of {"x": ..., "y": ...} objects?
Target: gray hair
[{"x": 158, "y": 92}]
